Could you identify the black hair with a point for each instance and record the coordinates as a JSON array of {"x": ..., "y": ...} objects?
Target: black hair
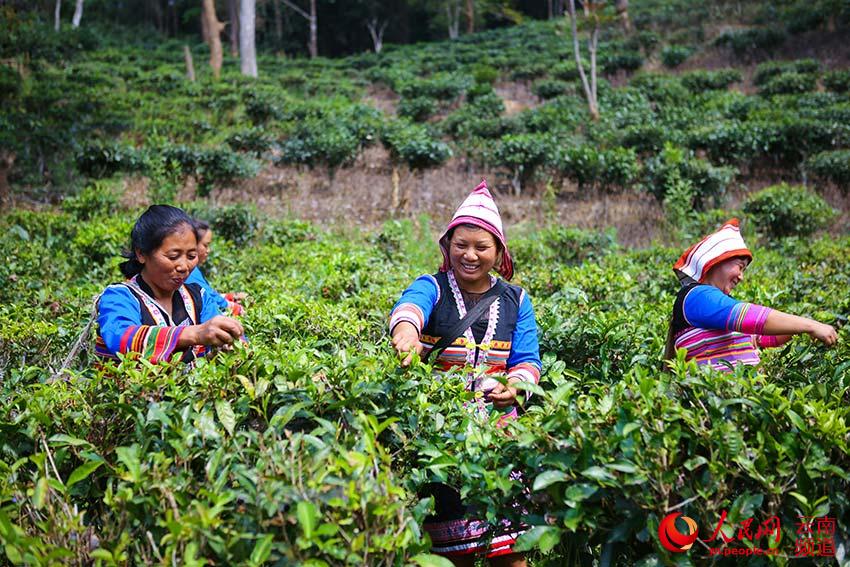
[
  {"x": 201, "y": 226},
  {"x": 155, "y": 224}
]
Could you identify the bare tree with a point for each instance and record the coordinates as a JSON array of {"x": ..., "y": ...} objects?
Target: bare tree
[
  {"x": 78, "y": 14},
  {"x": 278, "y": 22},
  {"x": 313, "y": 46},
  {"x": 247, "y": 48},
  {"x": 376, "y": 30},
  {"x": 190, "y": 64},
  {"x": 57, "y": 13},
  {"x": 214, "y": 29},
  {"x": 623, "y": 12},
  {"x": 7, "y": 160},
  {"x": 453, "y": 18},
  {"x": 470, "y": 16},
  {"x": 235, "y": 27},
  {"x": 592, "y": 12}
]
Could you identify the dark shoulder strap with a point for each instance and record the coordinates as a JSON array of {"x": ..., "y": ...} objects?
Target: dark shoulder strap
[{"x": 471, "y": 317}]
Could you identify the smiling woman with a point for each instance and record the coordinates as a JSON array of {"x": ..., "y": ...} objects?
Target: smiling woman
[
  {"x": 712, "y": 327},
  {"x": 154, "y": 314},
  {"x": 475, "y": 324}
]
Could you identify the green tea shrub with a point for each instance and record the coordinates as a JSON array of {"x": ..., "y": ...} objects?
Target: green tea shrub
[
  {"x": 565, "y": 71},
  {"x": 790, "y": 83},
  {"x": 414, "y": 145},
  {"x": 528, "y": 70},
  {"x": 792, "y": 139},
  {"x": 674, "y": 55},
  {"x": 96, "y": 243},
  {"x": 417, "y": 109},
  {"x": 645, "y": 138},
  {"x": 837, "y": 81},
  {"x": 104, "y": 159},
  {"x": 644, "y": 39},
  {"x": 209, "y": 166},
  {"x": 673, "y": 164},
  {"x": 748, "y": 42},
  {"x": 662, "y": 89},
  {"x": 236, "y": 223},
  {"x": 253, "y": 140},
  {"x": 10, "y": 84},
  {"x": 832, "y": 166},
  {"x": 317, "y": 143},
  {"x": 441, "y": 86},
  {"x": 561, "y": 245},
  {"x": 286, "y": 232},
  {"x": 551, "y": 88},
  {"x": 484, "y": 74},
  {"x": 592, "y": 166},
  {"x": 769, "y": 70},
  {"x": 785, "y": 210},
  {"x": 621, "y": 60},
  {"x": 561, "y": 113},
  {"x": 699, "y": 81},
  {"x": 98, "y": 200},
  {"x": 730, "y": 141}
]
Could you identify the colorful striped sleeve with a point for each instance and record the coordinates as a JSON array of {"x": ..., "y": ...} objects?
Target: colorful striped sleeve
[
  {"x": 416, "y": 303},
  {"x": 707, "y": 307},
  {"x": 121, "y": 331},
  {"x": 524, "y": 359}
]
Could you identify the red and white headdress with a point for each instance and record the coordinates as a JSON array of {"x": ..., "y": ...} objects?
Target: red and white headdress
[
  {"x": 479, "y": 209},
  {"x": 716, "y": 247}
]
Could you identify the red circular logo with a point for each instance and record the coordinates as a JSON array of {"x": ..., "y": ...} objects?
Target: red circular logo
[{"x": 670, "y": 536}]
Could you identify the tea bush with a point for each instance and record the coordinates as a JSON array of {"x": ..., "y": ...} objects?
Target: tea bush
[
  {"x": 699, "y": 81},
  {"x": 308, "y": 445},
  {"x": 837, "y": 81},
  {"x": 784, "y": 210},
  {"x": 674, "y": 55},
  {"x": 831, "y": 166}
]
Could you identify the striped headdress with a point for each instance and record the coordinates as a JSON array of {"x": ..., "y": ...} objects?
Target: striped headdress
[
  {"x": 479, "y": 209},
  {"x": 716, "y": 247}
]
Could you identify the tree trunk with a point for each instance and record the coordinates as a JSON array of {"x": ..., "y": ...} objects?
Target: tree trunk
[
  {"x": 247, "y": 48},
  {"x": 470, "y": 16},
  {"x": 453, "y": 18},
  {"x": 78, "y": 14},
  {"x": 235, "y": 26},
  {"x": 314, "y": 31},
  {"x": 57, "y": 13},
  {"x": 278, "y": 22},
  {"x": 190, "y": 64},
  {"x": 376, "y": 30},
  {"x": 589, "y": 92},
  {"x": 214, "y": 29},
  {"x": 205, "y": 30},
  {"x": 623, "y": 12},
  {"x": 7, "y": 160},
  {"x": 549, "y": 9}
]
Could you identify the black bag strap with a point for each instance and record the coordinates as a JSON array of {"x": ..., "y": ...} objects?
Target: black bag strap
[{"x": 471, "y": 317}]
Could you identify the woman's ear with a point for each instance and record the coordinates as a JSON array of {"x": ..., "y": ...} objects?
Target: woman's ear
[{"x": 140, "y": 258}]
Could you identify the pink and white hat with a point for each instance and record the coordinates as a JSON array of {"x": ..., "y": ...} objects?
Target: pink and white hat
[
  {"x": 479, "y": 209},
  {"x": 716, "y": 247}
]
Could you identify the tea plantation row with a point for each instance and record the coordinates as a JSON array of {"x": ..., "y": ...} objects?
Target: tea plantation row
[{"x": 307, "y": 445}]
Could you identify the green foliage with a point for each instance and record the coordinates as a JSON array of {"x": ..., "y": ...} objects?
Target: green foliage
[
  {"x": 790, "y": 83},
  {"x": 551, "y": 88},
  {"x": 674, "y": 166},
  {"x": 837, "y": 81},
  {"x": 106, "y": 159},
  {"x": 417, "y": 109},
  {"x": 699, "y": 81},
  {"x": 99, "y": 199},
  {"x": 765, "y": 72},
  {"x": 784, "y": 210},
  {"x": 309, "y": 444},
  {"x": 237, "y": 223},
  {"x": 591, "y": 166},
  {"x": 751, "y": 41},
  {"x": 833, "y": 166},
  {"x": 254, "y": 140},
  {"x": 414, "y": 145},
  {"x": 674, "y": 55}
]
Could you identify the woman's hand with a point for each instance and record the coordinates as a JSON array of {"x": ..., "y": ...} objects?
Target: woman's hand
[
  {"x": 504, "y": 396},
  {"x": 406, "y": 339},
  {"x": 240, "y": 296},
  {"x": 824, "y": 333},
  {"x": 218, "y": 331}
]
